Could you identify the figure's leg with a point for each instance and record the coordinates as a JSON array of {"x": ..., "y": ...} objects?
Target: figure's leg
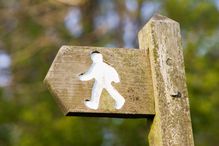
[
  {"x": 95, "y": 96},
  {"x": 116, "y": 96}
]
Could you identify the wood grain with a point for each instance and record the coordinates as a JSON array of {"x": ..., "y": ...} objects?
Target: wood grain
[
  {"x": 132, "y": 66},
  {"x": 172, "y": 123}
]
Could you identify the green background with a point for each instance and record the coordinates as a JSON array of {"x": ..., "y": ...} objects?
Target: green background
[{"x": 32, "y": 31}]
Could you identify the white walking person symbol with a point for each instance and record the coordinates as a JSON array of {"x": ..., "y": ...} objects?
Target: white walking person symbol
[{"x": 104, "y": 75}]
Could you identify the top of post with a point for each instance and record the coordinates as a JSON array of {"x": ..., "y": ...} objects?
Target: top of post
[{"x": 159, "y": 18}]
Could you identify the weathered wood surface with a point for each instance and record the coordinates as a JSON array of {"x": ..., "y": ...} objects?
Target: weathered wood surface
[
  {"x": 172, "y": 123},
  {"x": 132, "y": 66}
]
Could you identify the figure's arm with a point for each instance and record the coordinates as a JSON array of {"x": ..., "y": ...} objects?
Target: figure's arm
[{"x": 88, "y": 75}]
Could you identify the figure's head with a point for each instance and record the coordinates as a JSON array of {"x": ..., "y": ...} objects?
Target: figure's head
[{"x": 96, "y": 57}]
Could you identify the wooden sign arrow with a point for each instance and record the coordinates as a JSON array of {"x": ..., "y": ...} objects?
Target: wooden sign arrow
[{"x": 132, "y": 66}]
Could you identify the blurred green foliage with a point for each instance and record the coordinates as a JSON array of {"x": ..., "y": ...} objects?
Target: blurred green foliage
[{"x": 32, "y": 31}]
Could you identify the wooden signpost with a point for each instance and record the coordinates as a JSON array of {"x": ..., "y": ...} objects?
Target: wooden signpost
[{"x": 93, "y": 81}]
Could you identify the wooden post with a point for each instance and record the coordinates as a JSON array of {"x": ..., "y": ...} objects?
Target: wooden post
[{"x": 171, "y": 126}]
